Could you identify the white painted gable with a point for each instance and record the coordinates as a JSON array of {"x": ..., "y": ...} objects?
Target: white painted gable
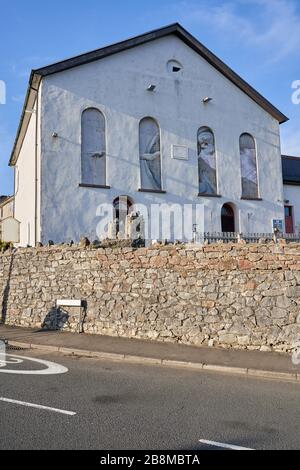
[{"x": 117, "y": 86}]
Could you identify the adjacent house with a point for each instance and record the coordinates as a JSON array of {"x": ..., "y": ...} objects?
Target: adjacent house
[
  {"x": 291, "y": 187},
  {"x": 156, "y": 119},
  {"x": 6, "y": 209}
]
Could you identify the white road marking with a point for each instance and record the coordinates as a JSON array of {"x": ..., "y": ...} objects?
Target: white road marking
[
  {"x": 51, "y": 367},
  {"x": 225, "y": 446},
  {"x": 41, "y": 407}
]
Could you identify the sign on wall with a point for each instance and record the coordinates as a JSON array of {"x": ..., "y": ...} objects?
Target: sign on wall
[
  {"x": 277, "y": 225},
  {"x": 180, "y": 152}
]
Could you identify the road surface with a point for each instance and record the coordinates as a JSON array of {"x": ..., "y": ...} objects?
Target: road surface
[{"x": 84, "y": 403}]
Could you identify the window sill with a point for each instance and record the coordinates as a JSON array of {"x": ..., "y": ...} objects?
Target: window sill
[
  {"x": 157, "y": 191},
  {"x": 251, "y": 198},
  {"x": 208, "y": 195},
  {"x": 100, "y": 186}
]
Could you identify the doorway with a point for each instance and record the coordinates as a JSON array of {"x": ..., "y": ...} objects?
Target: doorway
[
  {"x": 289, "y": 222},
  {"x": 227, "y": 218},
  {"x": 123, "y": 205}
]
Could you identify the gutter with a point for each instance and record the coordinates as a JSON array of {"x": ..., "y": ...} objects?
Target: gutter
[
  {"x": 290, "y": 377},
  {"x": 292, "y": 182},
  {"x": 30, "y": 99},
  {"x": 6, "y": 201}
]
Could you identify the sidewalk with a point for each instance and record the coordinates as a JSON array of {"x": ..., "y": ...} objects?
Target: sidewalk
[{"x": 250, "y": 363}]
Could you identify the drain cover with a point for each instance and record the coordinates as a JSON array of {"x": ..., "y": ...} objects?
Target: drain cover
[
  {"x": 9, "y": 347},
  {"x": 14, "y": 348}
]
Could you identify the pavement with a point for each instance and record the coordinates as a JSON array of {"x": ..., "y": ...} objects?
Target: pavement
[
  {"x": 243, "y": 362},
  {"x": 76, "y": 402}
]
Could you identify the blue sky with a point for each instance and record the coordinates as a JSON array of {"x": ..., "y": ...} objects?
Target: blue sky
[{"x": 259, "y": 39}]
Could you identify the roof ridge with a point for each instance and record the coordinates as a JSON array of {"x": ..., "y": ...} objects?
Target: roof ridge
[
  {"x": 97, "y": 54},
  {"x": 170, "y": 26}
]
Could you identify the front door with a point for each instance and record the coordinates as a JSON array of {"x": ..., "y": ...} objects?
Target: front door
[
  {"x": 227, "y": 219},
  {"x": 289, "y": 223}
]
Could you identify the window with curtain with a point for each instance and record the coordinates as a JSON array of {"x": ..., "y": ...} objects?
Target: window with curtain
[
  {"x": 248, "y": 166},
  {"x": 150, "y": 154},
  {"x": 207, "y": 162},
  {"x": 93, "y": 148}
]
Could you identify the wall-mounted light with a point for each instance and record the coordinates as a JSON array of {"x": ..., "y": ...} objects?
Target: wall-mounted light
[
  {"x": 207, "y": 99},
  {"x": 151, "y": 87}
]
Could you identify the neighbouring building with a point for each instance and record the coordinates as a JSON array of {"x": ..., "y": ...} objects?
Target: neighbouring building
[
  {"x": 156, "y": 119},
  {"x": 291, "y": 187},
  {"x": 6, "y": 209}
]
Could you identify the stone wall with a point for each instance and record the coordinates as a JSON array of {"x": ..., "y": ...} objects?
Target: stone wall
[{"x": 243, "y": 296}]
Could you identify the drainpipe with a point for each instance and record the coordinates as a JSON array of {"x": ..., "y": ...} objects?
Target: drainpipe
[{"x": 36, "y": 169}]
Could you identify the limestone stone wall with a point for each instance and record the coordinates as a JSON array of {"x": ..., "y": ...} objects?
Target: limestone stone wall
[{"x": 230, "y": 295}]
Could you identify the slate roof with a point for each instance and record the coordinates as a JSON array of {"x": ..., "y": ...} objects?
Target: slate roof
[
  {"x": 175, "y": 29},
  {"x": 291, "y": 169}
]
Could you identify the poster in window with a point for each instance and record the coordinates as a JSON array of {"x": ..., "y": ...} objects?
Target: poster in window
[
  {"x": 207, "y": 162},
  {"x": 150, "y": 154},
  {"x": 248, "y": 166}
]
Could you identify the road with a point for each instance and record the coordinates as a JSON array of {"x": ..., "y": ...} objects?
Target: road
[{"x": 109, "y": 405}]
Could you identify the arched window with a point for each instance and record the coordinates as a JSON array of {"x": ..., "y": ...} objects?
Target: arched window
[
  {"x": 227, "y": 218},
  {"x": 173, "y": 66},
  {"x": 207, "y": 161},
  {"x": 93, "y": 148},
  {"x": 150, "y": 161},
  {"x": 248, "y": 166}
]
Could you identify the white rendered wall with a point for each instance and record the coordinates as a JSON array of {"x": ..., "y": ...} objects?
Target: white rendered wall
[
  {"x": 25, "y": 186},
  {"x": 117, "y": 86},
  {"x": 292, "y": 194}
]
